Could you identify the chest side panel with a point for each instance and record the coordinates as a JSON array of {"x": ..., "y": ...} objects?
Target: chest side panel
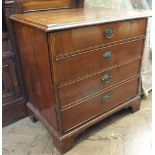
[{"x": 33, "y": 53}]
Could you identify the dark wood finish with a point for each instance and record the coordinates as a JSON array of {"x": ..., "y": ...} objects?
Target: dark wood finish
[
  {"x": 86, "y": 38},
  {"x": 71, "y": 92},
  {"x": 36, "y": 69},
  {"x": 13, "y": 99},
  {"x": 14, "y": 96},
  {"x": 91, "y": 61},
  {"x": 13, "y": 110},
  {"x": 5, "y": 42},
  {"x": 69, "y": 115},
  {"x": 10, "y": 81},
  {"x": 73, "y": 18},
  {"x": 92, "y": 106},
  {"x": 40, "y": 5}
]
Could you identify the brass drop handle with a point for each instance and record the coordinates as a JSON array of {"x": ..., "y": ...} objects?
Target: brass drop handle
[
  {"x": 106, "y": 78},
  {"x": 106, "y": 98},
  {"x": 107, "y": 55},
  {"x": 109, "y": 33}
]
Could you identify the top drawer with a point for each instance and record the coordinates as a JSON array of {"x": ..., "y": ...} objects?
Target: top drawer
[{"x": 84, "y": 38}]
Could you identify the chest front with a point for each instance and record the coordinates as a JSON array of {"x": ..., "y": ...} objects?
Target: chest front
[{"x": 97, "y": 68}]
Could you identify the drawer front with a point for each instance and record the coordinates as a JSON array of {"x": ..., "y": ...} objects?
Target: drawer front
[
  {"x": 94, "y": 106},
  {"x": 95, "y": 83},
  {"x": 79, "y": 65},
  {"x": 81, "y": 38}
]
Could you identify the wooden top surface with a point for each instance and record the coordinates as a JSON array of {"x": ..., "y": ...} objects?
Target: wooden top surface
[{"x": 71, "y": 18}]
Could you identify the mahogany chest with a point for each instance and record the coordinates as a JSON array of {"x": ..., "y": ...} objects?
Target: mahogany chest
[{"x": 80, "y": 66}]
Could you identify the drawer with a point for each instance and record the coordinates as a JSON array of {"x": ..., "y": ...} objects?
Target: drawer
[
  {"x": 79, "y": 65},
  {"x": 86, "y": 37},
  {"x": 94, "y": 106},
  {"x": 72, "y": 92}
]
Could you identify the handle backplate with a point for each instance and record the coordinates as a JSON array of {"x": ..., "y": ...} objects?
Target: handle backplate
[
  {"x": 109, "y": 33},
  {"x": 107, "y": 55},
  {"x": 106, "y": 78},
  {"x": 106, "y": 98}
]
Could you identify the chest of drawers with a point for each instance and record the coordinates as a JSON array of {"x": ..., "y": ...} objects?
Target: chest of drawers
[{"x": 80, "y": 66}]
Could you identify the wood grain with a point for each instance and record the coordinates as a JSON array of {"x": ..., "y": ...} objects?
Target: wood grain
[
  {"x": 93, "y": 106},
  {"x": 72, "y": 92},
  {"x": 71, "y": 18},
  {"x": 93, "y": 61},
  {"x": 36, "y": 70},
  {"x": 13, "y": 96},
  {"x": 33, "y": 5},
  {"x": 89, "y": 37}
]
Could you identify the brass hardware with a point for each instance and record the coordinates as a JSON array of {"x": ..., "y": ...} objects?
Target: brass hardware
[
  {"x": 106, "y": 98},
  {"x": 109, "y": 33},
  {"x": 107, "y": 55},
  {"x": 106, "y": 78}
]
